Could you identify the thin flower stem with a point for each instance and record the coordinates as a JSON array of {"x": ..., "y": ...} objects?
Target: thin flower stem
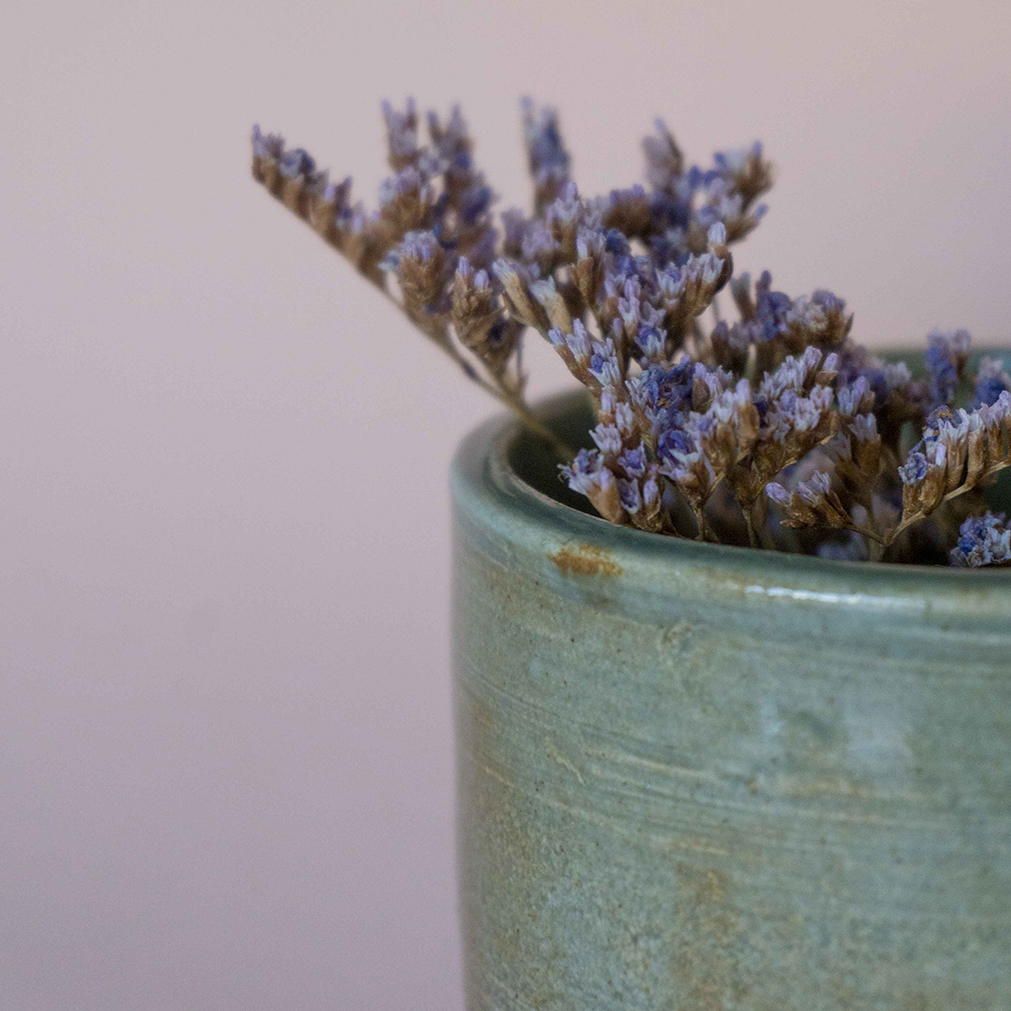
[
  {"x": 705, "y": 531},
  {"x": 749, "y": 520},
  {"x": 563, "y": 451},
  {"x": 755, "y": 516},
  {"x": 501, "y": 393},
  {"x": 872, "y": 535}
]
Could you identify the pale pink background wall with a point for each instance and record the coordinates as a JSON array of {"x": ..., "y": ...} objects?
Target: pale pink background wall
[{"x": 225, "y": 753}]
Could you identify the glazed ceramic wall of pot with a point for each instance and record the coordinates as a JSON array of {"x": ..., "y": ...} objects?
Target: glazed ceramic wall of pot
[{"x": 701, "y": 777}]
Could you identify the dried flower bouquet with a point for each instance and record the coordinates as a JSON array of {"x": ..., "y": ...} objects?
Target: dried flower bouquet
[{"x": 774, "y": 429}]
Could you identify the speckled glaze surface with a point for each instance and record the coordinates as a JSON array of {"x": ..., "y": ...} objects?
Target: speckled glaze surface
[{"x": 699, "y": 777}]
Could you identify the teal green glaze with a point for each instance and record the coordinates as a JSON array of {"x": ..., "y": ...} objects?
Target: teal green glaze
[{"x": 702, "y": 777}]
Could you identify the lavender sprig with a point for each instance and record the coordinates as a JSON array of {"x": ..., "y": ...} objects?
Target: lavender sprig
[{"x": 704, "y": 420}]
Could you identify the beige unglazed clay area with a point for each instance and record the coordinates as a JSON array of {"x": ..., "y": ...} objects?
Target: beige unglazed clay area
[{"x": 225, "y": 742}]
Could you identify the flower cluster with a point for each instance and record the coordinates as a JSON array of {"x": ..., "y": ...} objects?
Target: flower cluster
[
  {"x": 983, "y": 540},
  {"x": 756, "y": 421}
]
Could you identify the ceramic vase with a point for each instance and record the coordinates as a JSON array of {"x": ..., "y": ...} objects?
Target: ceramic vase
[{"x": 693, "y": 776}]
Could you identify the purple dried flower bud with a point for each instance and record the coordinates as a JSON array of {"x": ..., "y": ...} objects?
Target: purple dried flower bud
[
  {"x": 651, "y": 341},
  {"x": 851, "y": 398},
  {"x": 671, "y": 283},
  {"x": 716, "y": 380},
  {"x": 983, "y": 540},
  {"x": 674, "y": 444},
  {"x": 296, "y": 162},
  {"x": 821, "y": 397},
  {"x": 336, "y": 194},
  {"x": 828, "y": 301},
  {"x": 544, "y": 290},
  {"x": 865, "y": 427},
  {"x": 544, "y": 142},
  {"x": 727, "y": 202},
  {"x": 624, "y": 418},
  {"x": 826, "y": 374},
  {"x": 684, "y": 462},
  {"x": 547, "y": 157},
  {"x": 633, "y": 461},
  {"x": 579, "y": 340},
  {"x": 566, "y": 206},
  {"x": 945, "y": 358},
  {"x": 608, "y": 403},
  {"x": 663, "y": 158},
  {"x": 405, "y": 182},
  {"x": 730, "y": 162},
  {"x": 420, "y": 246},
  {"x": 651, "y": 315},
  {"x": 791, "y": 375},
  {"x": 771, "y": 308},
  {"x": 616, "y": 244},
  {"x": 270, "y": 145},
  {"x": 588, "y": 476},
  {"x": 608, "y": 440},
  {"x": 744, "y": 171},
  {"x": 914, "y": 470},
  {"x": 707, "y": 266},
  {"x": 604, "y": 364},
  {"x": 358, "y": 220},
  {"x": 700, "y": 426},
  {"x": 896, "y": 374},
  {"x": 813, "y": 503},
  {"x": 452, "y": 146},
  {"x": 778, "y": 494},
  {"x": 809, "y": 361},
  {"x": 474, "y": 201},
  {"x": 631, "y": 289},
  {"x": 651, "y": 495},
  {"x": 818, "y": 484},
  {"x": 954, "y": 429},
  {"x": 809, "y": 314},
  {"x": 402, "y": 130},
  {"x": 422, "y": 270},
  {"x": 538, "y": 244},
  {"x": 478, "y": 319},
  {"x": 590, "y": 242},
  {"x": 515, "y": 279},
  {"x": 991, "y": 381},
  {"x": 807, "y": 411},
  {"x": 740, "y": 289},
  {"x": 503, "y": 269},
  {"x": 514, "y": 224},
  {"x": 583, "y": 471},
  {"x": 631, "y": 497},
  {"x": 717, "y": 234}
]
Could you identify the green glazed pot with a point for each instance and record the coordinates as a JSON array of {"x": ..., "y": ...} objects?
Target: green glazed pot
[{"x": 703, "y": 777}]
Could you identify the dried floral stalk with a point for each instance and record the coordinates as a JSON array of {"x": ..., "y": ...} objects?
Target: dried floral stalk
[{"x": 708, "y": 426}]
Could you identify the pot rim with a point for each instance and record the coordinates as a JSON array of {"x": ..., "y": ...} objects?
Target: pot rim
[{"x": 488, "y": 492}]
